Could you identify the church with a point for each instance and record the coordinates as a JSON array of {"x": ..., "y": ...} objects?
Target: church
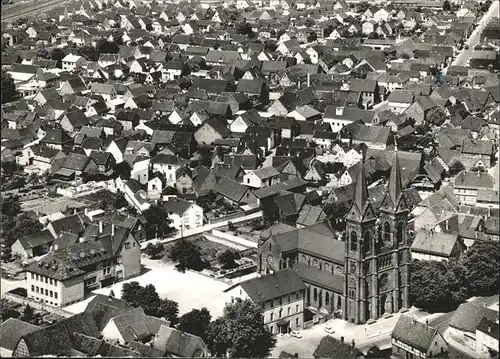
[{"x": 362, "y": 277}]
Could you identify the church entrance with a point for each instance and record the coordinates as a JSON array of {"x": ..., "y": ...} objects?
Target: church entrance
[{"x": 383, "y": 299}]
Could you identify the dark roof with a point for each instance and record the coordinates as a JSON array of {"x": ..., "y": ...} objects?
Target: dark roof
[
  {"x": 272, "y": 286},
  {"x": 175, "y": 342},
  {"x": 230, "y": 188},
  {"x": 330, "y": 347},
  {"x": 36, "y": 239},
  {"x": 414, "y": 333},
  {"x": 11, "y": 330},
  {"x": 489, "y": 327},
  {"x": 469, "y": 315}
]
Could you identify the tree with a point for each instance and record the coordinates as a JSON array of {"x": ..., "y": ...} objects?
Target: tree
[
  {"x": 154, "y": 251},
  {"x": 6, "y": 311},
  {"x": 10, "y": 206},
  {"x": 104, "y": 46},
  {"x": 436, "y": 116},
  {"x": 481, "y": 261},
  {"x": 28, "y": 313},
  {"x": 446, "y": 5},
  {"x": 88, "y": 52},
  {"x": 309, "y": 22},
  {"x": 437, "y": 286},
  {"x": 148, "y": 299},
  {"x": 187, "y": 255},
  {"x": 455, "y": 168},
  {"x": 9, "y": 92},
  {"x": 196, "y": 322},
  {"x": 57, "y": 54},
  {"x": 42, "y": 52},
  {"x": 158, "y": 223},
  {"x": 240, "y": 332},
  {"x": 245, "y": 28},
  {"x": 228, "y": 259},
  {"x": 119, "y": 200}
]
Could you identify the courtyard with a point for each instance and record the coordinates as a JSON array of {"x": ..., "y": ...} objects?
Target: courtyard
[{"x": 191, "y": 290}]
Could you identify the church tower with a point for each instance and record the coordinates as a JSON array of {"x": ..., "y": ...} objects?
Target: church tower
[{"x": 376, "y": 251}]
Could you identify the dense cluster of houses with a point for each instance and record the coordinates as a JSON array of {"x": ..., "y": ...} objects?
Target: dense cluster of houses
[{"x": 293, "y": 107}]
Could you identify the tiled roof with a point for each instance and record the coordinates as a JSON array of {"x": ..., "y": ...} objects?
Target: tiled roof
[
  {"x": 440, "y": 244},
  {"x": 176, "y": 343},
  {"x": 469, "y": 315},
  {"x": 330, "y": 347},
  {"x": 11, "y": 330},
  {"x": 36, "y": 239},
  {"x": 416, "y": 334}
]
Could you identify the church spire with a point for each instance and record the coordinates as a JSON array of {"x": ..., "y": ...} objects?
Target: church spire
[
  {"x": 395, "y": 186},
  {"x": 361, "y": 191}
]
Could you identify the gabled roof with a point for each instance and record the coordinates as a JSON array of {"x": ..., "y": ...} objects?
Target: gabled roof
[
  {"x": 230, "y": 188},
  {"x": 11, "y": 330},
  {"x": 469, "y": 315},
  {"x": 180, "y": 344},
  {"x": 440, "y": 244},
  {"x": 414, "y": 333},
  {"x": 330, "y": 347},
  {"x": 36, "y": 240}
]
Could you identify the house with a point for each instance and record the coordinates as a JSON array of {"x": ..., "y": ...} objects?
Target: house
[
  {"x": 233, "y": 192},
  {"x": 72, "y": 62},
  {"x": 369, "y": 90},
  {"x": 177, "y": 344},
  {"x": 341, "y": 116},
  {"x": 487, "y": 338},
  {"x": 184, "y": 215},
  {"x": 132, "y": 326},
  {"x": 11, "y": 331},
  {"x": 435, "y": 246},
  {"x": 480, "y": 150},
  {"x": 32, "y": 245},
  {"x": 420, "y": 109},
  {"x": 467, "y": 184},
  {"x": 281, "y": 296},
  {"x": 73, "y": 121},
  {"x": 65, "y": 275},
  {"x": 107, "y": 91},
  {"x": 464, "y": 322},
  {"x": 332, "y": 348},
  {"x": 375, "y": 137},
  {"x": 262, "y": 177},
  {"x": 56, "y": 139},
  {"x": 418, "y": 340},
  {"x": 168, "y": 165},
  {"x": 210, "y": 131},
  {"x": 400, "y": 100}
]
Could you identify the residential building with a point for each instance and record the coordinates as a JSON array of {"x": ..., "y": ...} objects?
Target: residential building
[
  {"x": 183, "y": 214},
  {"x": 281, "y": 296}
]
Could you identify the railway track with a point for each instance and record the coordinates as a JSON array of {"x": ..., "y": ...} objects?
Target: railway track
[{"x": 16, "y": 11}]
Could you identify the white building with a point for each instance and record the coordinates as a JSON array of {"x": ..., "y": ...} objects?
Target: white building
[
  {"x": 184, "y": 214},
  {"x": 72, "y": 62}
]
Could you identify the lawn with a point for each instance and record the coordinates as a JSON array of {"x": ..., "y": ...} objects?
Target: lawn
[
  {"x": 209, "y": 250},
  {"x": 191, "y": 290}
]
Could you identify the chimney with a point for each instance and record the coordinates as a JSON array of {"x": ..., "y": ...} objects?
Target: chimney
[
  {"x": 112, "y": 229},
  {"x": 353, "y": 344},
  {"x": 447, "y": 225},
  {"x": 478, "y": 174},
  {"x": 308, "y": 80},
  {"x": 342, "y": 339},
  {"x": 74, "y": 210},
  {"x": 489, "y": 329},
  {"x": 100, "y": 226}
]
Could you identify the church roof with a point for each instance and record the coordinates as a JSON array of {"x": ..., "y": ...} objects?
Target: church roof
[{"x": 361, "y": 208}]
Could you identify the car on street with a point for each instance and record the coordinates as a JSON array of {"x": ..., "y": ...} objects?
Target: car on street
[{"x": 296, "y": 334}]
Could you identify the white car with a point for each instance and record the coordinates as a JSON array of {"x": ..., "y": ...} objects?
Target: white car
[
  {"x": 329, "y": 329},
  {"x": 296, "y": 334}
]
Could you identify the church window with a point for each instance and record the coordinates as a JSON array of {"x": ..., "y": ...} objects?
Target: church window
[
  {"x": 352, "y": 293},
  {"x": 354, "y": 241},
  {"x": 387, "y": 232},
  {"x": 327, "y": 298},
  {"x": 353, "y": 267},
  {"x": 399, "y": 233},
  {"x": 367, "y": 244},
  {"x": 315, "y": 294}
]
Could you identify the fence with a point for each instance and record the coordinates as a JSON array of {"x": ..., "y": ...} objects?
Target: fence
[
  {"x": 36, "y": 305},
  {"x": 237, "y": 240}
]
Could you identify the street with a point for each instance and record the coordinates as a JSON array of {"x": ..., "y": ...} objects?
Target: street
[
  {"x": 463, "y": 58},
  {"x": 367, "y": 335}
]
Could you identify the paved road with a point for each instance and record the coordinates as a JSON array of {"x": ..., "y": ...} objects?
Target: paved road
[{"x": 463, "y": 58}]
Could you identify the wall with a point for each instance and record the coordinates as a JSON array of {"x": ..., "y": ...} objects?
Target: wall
[
  {"x": 426, "y": 257},
  {"x": 37, "y": 305},
  {"x": 131, "y": 258},
  {"x": 238, "y": 240},
  {"x": 485, "y": 341}
]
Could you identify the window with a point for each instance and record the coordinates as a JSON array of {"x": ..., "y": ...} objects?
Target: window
[
  {"x": 289, "y": 310},
  {"x": 37, "y": 289},
  {"x": 297, "y": 321},
  {"x": 51, "y": 294},
  {"x": 272, "y": 328},
  {"x": 297, "y": 308},
  {"x": 367, "y": 244},
  {"x": 352, "y": 293},
  {"x": 55, "y": 295},
  {"x": 36, "y": 276},
  {"x": 281, "y": 313},
  {"x": 127, "y": 245},
  {"x": 399, "y": 233},
  {"x": 169, "y": 167},
  {"x": 50, "y": 280},
  {"x": 248, "y": 180},
  {"x": 354, "y": 241},
  {"x": 327, "y": 298},
  {"x": 32, "y": 276},
  {"x": 46, "y": 279},
  {"x": 272, "y": 317},
  {"x": 297, "y": 295},
  {"x": 46, "y": 292},
  {"x": 32, "y": 288},
  {"x": 280, "y": 301},
  {"x": 387, "y": 233},
  {"x": 315, "y": 294}
]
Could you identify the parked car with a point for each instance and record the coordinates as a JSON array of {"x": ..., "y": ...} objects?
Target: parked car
[{"x": 296, "y": 334}]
